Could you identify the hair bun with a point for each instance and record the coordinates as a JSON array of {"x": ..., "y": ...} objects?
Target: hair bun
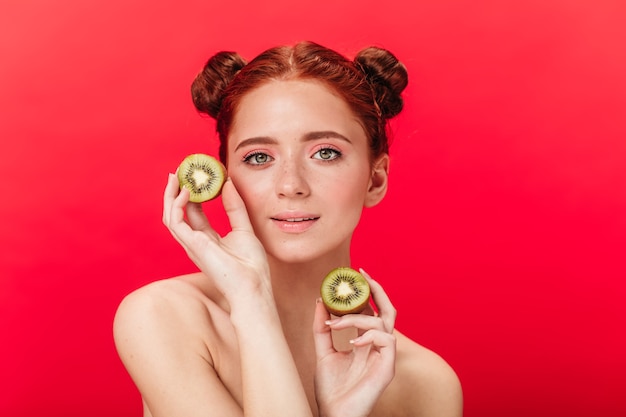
[
  {"x": 210, "y": 83},
  {"x": 387, "y": 76}
]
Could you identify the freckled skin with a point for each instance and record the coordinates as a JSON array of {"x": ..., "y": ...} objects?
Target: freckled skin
[
  {"x": 203, "y": 344},
  {"x": 286, "y": 112}
]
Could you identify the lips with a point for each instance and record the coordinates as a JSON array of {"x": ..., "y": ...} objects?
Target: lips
[
  {"x": 294, "y": 216},
  {"x": 294, "y": 222},
  {"x": 298, "y": 219}
]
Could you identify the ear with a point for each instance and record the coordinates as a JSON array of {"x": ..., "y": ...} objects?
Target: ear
[{"x": 378, "y": 181}]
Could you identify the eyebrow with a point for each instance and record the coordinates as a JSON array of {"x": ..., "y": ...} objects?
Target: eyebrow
[
  {"x": 325, "y": 134},
  {"x": 259, "y": 140},
  {"x": 267, "y": 140}
]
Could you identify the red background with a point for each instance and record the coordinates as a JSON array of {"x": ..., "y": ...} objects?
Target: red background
[{"x": 501, "y": 241}]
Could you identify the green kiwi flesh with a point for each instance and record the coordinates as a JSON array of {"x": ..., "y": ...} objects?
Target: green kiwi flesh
[
  {"x": 345, "y": 291},
  {"x": 202, "y": 175}
]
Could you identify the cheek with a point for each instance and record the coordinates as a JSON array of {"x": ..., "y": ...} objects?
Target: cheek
[
  {"x": 353, "y": 181},
  {"x": 248, "y": 187},
  {"x": 347, "y": 192},
  {"x": 251, "y": 196}
]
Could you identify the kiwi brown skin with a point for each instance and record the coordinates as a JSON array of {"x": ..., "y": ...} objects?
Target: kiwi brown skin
[
  {"x": 202, "y": 175},
  {"x": 345, "y": 291}
]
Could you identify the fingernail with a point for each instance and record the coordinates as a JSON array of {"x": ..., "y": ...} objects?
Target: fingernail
[
  {"x": 353, "y": 341},
  {"x": 331, "y": 322}
]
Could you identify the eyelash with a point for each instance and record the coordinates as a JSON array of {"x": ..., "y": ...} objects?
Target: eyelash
[
  {"x": 337, "y": 153},
  {"x": 249, "y": 156}
]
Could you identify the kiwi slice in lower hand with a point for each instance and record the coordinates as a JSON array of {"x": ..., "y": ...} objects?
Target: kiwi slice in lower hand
[
  {"x": 345, "y": 291},
  {"x": 202, "y": 175}
]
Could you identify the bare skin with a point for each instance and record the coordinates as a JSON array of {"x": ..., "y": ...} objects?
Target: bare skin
[
  {"x": 423, "y": 385},
  {"x": 247, "y": 335}
]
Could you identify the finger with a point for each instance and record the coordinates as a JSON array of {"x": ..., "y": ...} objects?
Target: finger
[
  {"x": 321, "y": 331},
  {"x": 386, "y": 311},
  {"x": 361, "y": 353},
  {"x": 382, "y": 341},
  {"x": 385, "y": 345},
  {"x": 169, "y": 194},
  {"x": 368, "y": 311},
  {"x": 176, "y": 223},
  {"x": 362, "y": 322},
  {"x": 235, "y": 207},
  {"x": 197, "y": 218},
  {"x": 177, "y": 208},
  {"x": 170, "y": 197},
  {"x": 197, "y": 244}
]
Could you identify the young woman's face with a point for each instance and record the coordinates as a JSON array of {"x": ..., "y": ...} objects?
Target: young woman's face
[{"x": 299, "y": 158}]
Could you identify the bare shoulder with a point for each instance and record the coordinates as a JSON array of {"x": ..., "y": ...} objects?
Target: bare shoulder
[
  {"x": 151, "y": 316},
  {"x": 425, "y": 384},
  {"x": 165, "y": 334}
]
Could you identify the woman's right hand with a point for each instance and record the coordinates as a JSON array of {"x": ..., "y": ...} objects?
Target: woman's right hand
[
  {"x": 349, "y": 383},
  {"x": 236, "y": 262}
]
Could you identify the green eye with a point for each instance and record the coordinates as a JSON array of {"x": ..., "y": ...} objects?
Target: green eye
[
  {"x": 327, "y": 154},
  {"x": 257, "y": 158}
]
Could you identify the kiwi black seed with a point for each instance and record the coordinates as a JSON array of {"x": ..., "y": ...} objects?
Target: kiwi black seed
[
  {"x": 345, "y": 291},
  {"x": 202, "y": 175}
]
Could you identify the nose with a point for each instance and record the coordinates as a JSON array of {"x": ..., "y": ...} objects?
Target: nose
[{"x": 292, "y": 180}]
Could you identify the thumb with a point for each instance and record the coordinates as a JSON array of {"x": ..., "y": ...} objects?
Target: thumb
[
  {"x": 321, "y": 331},
  {"x": 235, "y": 207}
]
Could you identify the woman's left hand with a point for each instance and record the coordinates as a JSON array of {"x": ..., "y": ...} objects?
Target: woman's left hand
[{"x": 349, "y": 383}]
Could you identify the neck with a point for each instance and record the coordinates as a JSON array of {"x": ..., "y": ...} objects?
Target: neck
[{"x": 296, "y": 286}]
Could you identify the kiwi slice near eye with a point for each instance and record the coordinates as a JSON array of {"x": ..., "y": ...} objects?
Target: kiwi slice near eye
[
  {"x": 202, "y": 175},
  {"x": 345, "y": 291}
]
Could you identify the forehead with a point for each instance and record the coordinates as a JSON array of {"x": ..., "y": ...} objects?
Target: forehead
[{"x": 279, "y": 107}]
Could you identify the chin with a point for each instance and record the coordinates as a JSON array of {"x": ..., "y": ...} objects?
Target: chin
[
  {"x": 307, "y": 253},
  {"x": 293, "y": 257}
]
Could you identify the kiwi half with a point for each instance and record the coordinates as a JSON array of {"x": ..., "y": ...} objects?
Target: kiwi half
[
  {"x": 345, "y": 291},
  {"x": 202, "y": 175}
]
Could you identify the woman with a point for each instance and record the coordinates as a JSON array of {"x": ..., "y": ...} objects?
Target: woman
[{"x": 302, "y": 133}]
